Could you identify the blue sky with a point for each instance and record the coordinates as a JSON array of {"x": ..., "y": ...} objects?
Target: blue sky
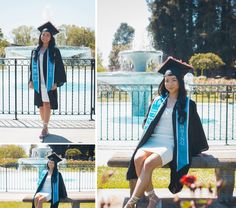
[
  {"x": 111, "y": 13},
  {"x": 35, "y": 12}
]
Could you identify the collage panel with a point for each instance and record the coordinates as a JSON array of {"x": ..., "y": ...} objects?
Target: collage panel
[
  {"x": 166, "y": 103},
  {"x": 57, "y": 175},
  {"x": 47, "y": 72}
]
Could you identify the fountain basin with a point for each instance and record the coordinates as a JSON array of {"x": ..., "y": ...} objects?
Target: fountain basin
[
  {"x": 140, "y": 58},
  {"x": 66, "y": 51}
]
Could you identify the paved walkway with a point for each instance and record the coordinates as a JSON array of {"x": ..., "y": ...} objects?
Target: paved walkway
[
  {"x": 63, "y": 129},
  {"x": 117, "y": 197},
  {"x": 18, "y": 196}
]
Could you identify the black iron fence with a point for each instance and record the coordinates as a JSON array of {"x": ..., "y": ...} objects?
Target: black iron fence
[
  {"x": 75, "y": 97},
  {"x": 121, "y": 110},
  {"x": 25, "y": 177}
]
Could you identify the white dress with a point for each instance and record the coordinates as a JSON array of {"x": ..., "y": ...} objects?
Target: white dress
[
  {"x": 46, "y": 189},
  {"x": 162, "y": 139},
  {"x": 44, "y": 93}
]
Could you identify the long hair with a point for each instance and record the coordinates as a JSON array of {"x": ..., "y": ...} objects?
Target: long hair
[
  {"x": 54, "y": 173},
  {"x": 180, "y": 100},
  {"x": 51, "y": 46}
]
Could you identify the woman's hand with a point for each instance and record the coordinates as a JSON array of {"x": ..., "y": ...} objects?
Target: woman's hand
[
  {"x": 31, "y": 85},
  {"x": 54, "y": 87}
]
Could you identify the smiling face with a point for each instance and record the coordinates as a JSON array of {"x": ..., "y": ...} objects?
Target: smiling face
[
  {"x": 172, "y": 84},
  {"x": 46, "y": 37},
  {"x": 51, "y": 164}
]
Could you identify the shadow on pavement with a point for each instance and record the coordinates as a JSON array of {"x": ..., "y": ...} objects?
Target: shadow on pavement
[{"x": 53, "y": 138}]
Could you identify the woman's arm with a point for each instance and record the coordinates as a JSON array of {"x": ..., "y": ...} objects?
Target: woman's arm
[
  {"x": 60, "y": 74},
  {"x": 197, "y": 134},
  {"x": 62, "y": 187}
]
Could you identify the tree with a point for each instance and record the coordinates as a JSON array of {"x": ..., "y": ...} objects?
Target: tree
[
  {"x": 171, "y": 26},
  {"x": 73, "y": 153},
  {"x": 122, "y": 41},
  {"x": 22, "y": 35},
  {"x": 124, "y": 35},
  {"x": 12, "y": 151},
  {"x": 100, "y": 67},
  {"x": 32, "y": 146},
  {"x": 3, "y": 44},
  {"x": 114, "y": 56},
  {"x": 80, "y": 36},
  {"x": 206, "y": 61},
  {"x": 182, "y": 28}
]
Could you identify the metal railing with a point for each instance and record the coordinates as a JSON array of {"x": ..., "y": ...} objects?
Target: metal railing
[
  {"x": 25, "y": 177},
  {"x": 75, "y": 97},
  {"x": 121, "y": 110}
]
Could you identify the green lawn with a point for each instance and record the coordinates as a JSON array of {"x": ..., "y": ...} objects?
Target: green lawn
[
  {"x": 161, "y": 177},
  {"x": 28, "y": 205}
]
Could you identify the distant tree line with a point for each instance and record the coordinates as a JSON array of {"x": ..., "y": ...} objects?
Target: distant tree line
[
  {"x": 71, "y": 35},
  {"x": 184, "y": 28}
]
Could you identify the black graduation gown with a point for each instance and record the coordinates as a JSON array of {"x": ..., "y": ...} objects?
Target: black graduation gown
[
  {"x": 59, "y": 78},
  {"x": 197, "y": 144},
  {"x": 62, "y": 190}
]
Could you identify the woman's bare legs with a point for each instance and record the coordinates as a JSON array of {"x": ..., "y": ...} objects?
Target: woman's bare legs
[
  {"x": 40, "y": 201},
  {"x": 152, "y": 161},
  {"x": 36, "y": 199},
  {"x": 45, "y": 113}
]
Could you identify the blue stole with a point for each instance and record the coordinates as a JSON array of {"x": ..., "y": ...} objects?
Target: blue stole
[
  {"x": 55, "y": 186},
  {"x": 50, "y": 73},
  {"x": 181, "y": 129}
]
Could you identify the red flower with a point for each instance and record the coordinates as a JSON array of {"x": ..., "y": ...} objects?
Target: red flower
[{"x": 188, "y": 180}]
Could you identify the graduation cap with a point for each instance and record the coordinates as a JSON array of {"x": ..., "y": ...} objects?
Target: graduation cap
[
  {"x": 173, "y": 66},
  {"x": 48, "y": 27},
  {"x": 54, "y": 157}
]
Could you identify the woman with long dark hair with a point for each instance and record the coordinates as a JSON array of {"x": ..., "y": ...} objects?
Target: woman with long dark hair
[
  {"x": 47, "y": 73},
  {"x": 51, "y": 185},
  {"x": 173, "y": 133}
]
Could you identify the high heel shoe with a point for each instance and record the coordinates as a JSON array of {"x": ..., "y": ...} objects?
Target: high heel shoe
[
  {"x": 154, "y": 202},
  {"x": 44, "y": 133},
  {"x": 132, "y": 202}
]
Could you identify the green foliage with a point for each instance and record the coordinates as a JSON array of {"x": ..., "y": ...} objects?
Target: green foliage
[
  {"x": 124, "y": 35},
  {"x": 22, "y": 36},
  {"x": 122, "y": 41},
  {"x": 8, "y": 162},
  {"x": 114, "y": 56},
  {"x": 182, "y": 28},
  {"x": 100, "y": 67},
  {"x": 79, "y": 36},
  {"x": 205, "y": 61},
  {"x": 71, "y": 153},
  {"x": 3, "y": 44},
  {"x": 12, "y": 151}
]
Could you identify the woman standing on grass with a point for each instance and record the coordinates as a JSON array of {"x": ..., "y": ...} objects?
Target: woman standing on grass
[
  {"x": 47, "y": 73},
  {"x": 173, "y": 133}
]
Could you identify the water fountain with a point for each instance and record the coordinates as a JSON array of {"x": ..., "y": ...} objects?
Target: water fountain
[
  {"x": 66, "y": 51},
  {"x": 133, "y": 73},
  {"x": 37, "y": 159}
]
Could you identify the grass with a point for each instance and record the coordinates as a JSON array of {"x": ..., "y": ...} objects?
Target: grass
[
  {"x": 199, "y": 98},
  {"x": 161, "y": 177},
  {"x": 29, "y": 205}
]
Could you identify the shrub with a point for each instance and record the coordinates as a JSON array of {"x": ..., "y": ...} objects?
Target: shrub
[{"x": 205, "y": 61}]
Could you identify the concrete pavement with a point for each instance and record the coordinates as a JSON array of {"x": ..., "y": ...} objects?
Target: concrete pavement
[{"x": 62, "y": 129}]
